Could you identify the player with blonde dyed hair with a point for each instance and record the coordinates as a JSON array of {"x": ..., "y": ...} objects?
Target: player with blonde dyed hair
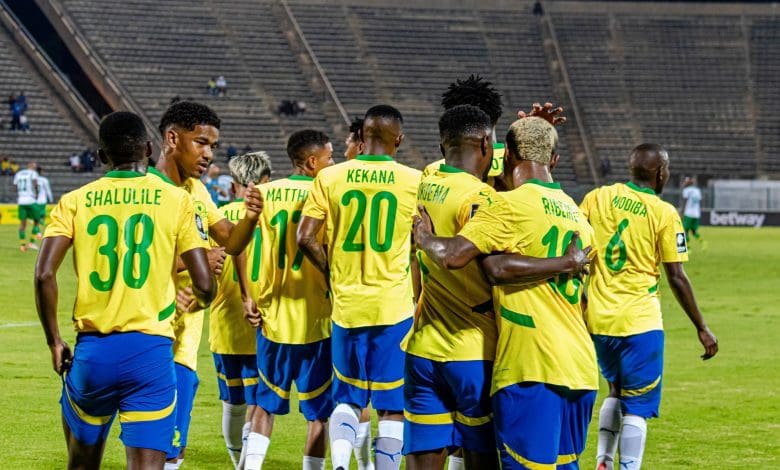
[
  {"x": 231, "y": 339},
  {"x": 543, "y": 403}
]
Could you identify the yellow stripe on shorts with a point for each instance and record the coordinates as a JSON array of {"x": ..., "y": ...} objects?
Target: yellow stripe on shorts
[
  {"x": 368, "y": 385},
  {"x": 640, "y": 391},
  {"x": 473, "y": 421},
  {"x": 143, "y": 416},
  {"x": 317, "y": 391},
  {"x": 283, "y": 394},
  {"x": 230, "y": 382},
  {"x": 531, "y": 465},
  {"x": 83, "y": 415},
  {"x": 439, "y": 418}
]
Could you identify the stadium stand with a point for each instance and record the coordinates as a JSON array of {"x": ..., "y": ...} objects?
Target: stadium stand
[
  {"x": 700, "y": 81},
  {"x": 54, "y": 135}
]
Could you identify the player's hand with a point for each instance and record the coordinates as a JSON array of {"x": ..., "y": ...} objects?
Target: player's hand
[
  {"x": 422, "y": 224},
  {"x": 710, "y": 343},
  {"x": 578, "y": 257},
  {"x": 546, "y": 112},
  {"x": 185, "y": 301},
  {"x": 251, "y": 314},
  {"x": 216, "y": 258},
  {"x": 61, "y": 357},
  {"x": 253, "y": 200}
]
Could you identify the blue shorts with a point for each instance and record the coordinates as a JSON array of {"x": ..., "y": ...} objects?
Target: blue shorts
[
  {"x": 447, "y": 404},
  {"x": 541, "y": 426},
  {"x": 237, "y": 378},
  {"x": 127, "y": 372},
  {"x": 635, "y": 363},
  {"x": 369, "y": 365},
  {"x": 308, "y": 365},
  {"x": 186, "y": 386}
]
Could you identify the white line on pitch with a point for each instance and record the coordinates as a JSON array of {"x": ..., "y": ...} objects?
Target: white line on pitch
[{"x": 19, "y": 324}]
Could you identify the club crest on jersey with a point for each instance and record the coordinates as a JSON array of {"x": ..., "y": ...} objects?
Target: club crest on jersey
[
  {"x": 682, "y": 247},
  {"x": 201, "y": 228}
]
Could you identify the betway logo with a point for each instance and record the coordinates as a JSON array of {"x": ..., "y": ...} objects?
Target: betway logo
[{"x": 737, "y": 219}]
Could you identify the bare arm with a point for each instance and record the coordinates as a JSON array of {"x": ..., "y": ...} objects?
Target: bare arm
[
  {"x": 449, "y": 253},
  {"x": 204, "y": 285},
  {"x": 52, "y": 253},
  {"x": 251, "y": 314},
  {"x": 519, "y": 269},
  {"x": 414, "y": 267},
  {"x": 310, "y": 246},
  {"x": 236, "y": 237},
  {"x": 683, "y": 291}
]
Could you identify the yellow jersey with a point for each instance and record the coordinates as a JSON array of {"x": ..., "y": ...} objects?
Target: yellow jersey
[
  {"x": 188, "y": 327},
  {"x": 456, "y": 320},
  {"x": 635, "y": 232},
  {"x": 293, "y": 294},
  {"x": 541, "y": 332},
  {"x": 127, "y": 230},
  {"x": 229, "y": 332},
  {"x": 496, "y": 165},
  {"x": 367, "y": 204}
]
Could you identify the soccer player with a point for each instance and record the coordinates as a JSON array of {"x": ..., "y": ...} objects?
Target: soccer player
[
  {"x": 635, "y": 231},
  {"x": 450, "y": 353},
  {"x": 544, "y": 376},
  {"x": 127, "y": 230},
  {"x": 366, "y": 205},
  {"x": 691, "y": 207},
  {"x": 190, "y": 132},
  {"x": 353, "y": 142},
  {"x": 293, "y": 310},
  {"x": 26, "y": 182},
  {"x": 231, "y": 338},
  {"x": 44, "y": 197}
]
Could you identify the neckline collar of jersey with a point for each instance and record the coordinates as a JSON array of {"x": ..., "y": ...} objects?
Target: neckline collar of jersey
[
  {"x": 498, "y": 145},
  {"x": 159, "y": 174},
  {"x": 633, "y": 186},
  {"x": 444, "y": 168},
  {"x": 300, "y": 178},
  {"x": 238, "y": 199},
  {"x": 542, "y": 183},
  {"x": 123, "y": 174},
  {"x": 374, "y": 158}
]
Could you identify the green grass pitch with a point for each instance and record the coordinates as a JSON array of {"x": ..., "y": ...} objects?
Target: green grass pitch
[{"x": 724, "y": 413}]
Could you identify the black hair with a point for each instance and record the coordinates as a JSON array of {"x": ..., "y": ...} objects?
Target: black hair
[
  {"x": 648, "y": 148},
  {"x": 462, "y": 122},
  {"x": 475, "y": 91},
  {"x": 187, "y": 115},
  {"x": 300, "y": 142},
  {"x": 123, "y": 137},
  {"x": 384, "y": 111},
  {"x": 355, "y": 126}
]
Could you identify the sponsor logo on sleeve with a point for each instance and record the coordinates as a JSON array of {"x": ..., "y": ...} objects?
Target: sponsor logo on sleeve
[
  {"x": 682, "y": 247},
  {"x": 201, "y": 228}
]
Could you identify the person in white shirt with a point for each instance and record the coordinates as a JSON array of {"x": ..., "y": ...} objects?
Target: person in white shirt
[
  {"x": 26, "y": 182},
  {"x": 44, "y": 197},
  {"x": 691, "y": 207}
]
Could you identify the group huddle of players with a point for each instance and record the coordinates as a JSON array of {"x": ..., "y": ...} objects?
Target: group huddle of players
[{"x": 470, "y": 305}]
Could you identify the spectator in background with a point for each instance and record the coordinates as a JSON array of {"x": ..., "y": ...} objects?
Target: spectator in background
[
  {"x": 538, "y": 9},
  {"x": 232, "y": 151},
  {"x": 221, "y": 86},
  {"x": 211, "y": 86},
  {"x": 225, "y": 195},
  {"x": 247, "y": 149},
  {"x": 5, "y": 167},
  {"x": 75, "y": 162},
  {"x": 24, "y": 123},
  {"x": 22, "y": 101},
  {"x": 212, "y": 185},
  {"x": 87, "y": 161},
  {"x": 14, "y": 167},
  {"x": 606, "y": 167},
  {"x": 16, "y": 114}
]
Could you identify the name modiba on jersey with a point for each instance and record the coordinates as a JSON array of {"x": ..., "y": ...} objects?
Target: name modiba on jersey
[
  {"x": 114, "y": 196},
  {"x": 286, "y": 194},
  {"x": 629, "y": 205},
  {"x": 560, "y": 209},
  {"x": 368, "y": 175},
  {"x": 432, "y": 192}
]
